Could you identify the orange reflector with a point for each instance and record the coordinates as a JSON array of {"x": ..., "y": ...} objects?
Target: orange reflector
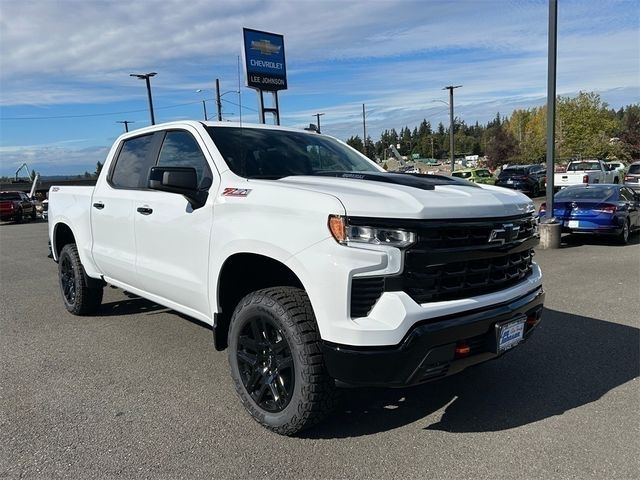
[
  {"x": 338, "y": 228},
  {"x": 462, "y": 350},
  {"x": 531, "y": 320}
]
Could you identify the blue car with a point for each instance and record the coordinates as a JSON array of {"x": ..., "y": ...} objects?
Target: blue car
[{"x": 597, "y": 208}]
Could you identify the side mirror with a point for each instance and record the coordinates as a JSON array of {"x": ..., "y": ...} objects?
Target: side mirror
[{"x": 181, "y": 180}]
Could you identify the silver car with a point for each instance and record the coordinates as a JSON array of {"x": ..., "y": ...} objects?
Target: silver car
[{"x": 632, "y": 177}]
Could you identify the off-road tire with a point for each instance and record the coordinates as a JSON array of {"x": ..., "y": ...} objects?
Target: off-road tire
[
  {"x": 313, "y": 395},
  {"x": 80, "y": 295},
  {"x": 19, "y": 216},
  {"x": 34, "y": 214}
]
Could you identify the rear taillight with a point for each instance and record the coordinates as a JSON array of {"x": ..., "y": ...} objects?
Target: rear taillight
[
  {"x": 606, "y": 209},
  {"x": 627, "y": 178},
  {"x": 585, "y": 179}
]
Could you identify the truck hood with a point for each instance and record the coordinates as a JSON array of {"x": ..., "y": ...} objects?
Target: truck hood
[{"x": 441, "y": 200}]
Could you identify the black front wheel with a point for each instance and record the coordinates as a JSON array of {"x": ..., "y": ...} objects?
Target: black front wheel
[
  {"x": 79, "y": 296},
  {"x": 276, "y": 360}
]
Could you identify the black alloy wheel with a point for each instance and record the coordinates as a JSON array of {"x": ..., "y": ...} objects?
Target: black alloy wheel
[
  {"x": 276, "y": 362},
  {"x": 81, "y": 295},
  {"x": 68, "y": 280},
  {"x": 266, "y": 364}
]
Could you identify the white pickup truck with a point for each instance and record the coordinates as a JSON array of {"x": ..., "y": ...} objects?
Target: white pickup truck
[
  {"x": 586, "y": 171},
  {"x": 312, "y": 264}
]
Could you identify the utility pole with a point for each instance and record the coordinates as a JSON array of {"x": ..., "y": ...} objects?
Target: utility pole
[
  {"x": 218, "y": 101},
  {"x": 318, "y": 115},
  {"x": 451, "y": 142},
  {"x": 146, "y": 77},
  {"x": 126, "y": 124},
  {"x": 364, "y": 127}
]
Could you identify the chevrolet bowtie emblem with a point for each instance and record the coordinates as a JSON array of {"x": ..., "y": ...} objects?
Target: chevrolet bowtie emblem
[{"x": 508, "y": 233}]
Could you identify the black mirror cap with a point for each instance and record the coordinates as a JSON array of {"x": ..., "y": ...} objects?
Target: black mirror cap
[
  {"x": 181, "y": 180},
  {"x": 174, "y": 179}
]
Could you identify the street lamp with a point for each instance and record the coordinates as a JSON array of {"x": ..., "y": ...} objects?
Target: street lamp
[
  {"x": 146, "y": 77},
  {"x": 318, "y": 115},
  {"x": 204, "y": 105},
  {"x": 452, "y": 154}
]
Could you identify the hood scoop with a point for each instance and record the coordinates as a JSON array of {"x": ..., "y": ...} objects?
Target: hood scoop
[{"x": 415, "y": 180}]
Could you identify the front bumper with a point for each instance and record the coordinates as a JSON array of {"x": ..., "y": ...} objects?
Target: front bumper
[{"x": 427, "y": 352}]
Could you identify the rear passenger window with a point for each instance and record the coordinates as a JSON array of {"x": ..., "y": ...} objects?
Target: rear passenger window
[
  {"x": 133, "y": 163},
  {"x": 180, "y": 149}
]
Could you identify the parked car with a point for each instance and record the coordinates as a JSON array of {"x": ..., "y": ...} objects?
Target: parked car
[
  {"x": 476, "y": 175},
  {"x": 632, "y": 177},
  {"x": 16, "y": 206},
  {"x": 604, "y": 209},
  {"x": 586, "y": 171},
  {"x": 525, "y": 178}
]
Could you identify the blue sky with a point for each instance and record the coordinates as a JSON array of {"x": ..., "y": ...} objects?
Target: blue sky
[{"x": 65, "y": 65}]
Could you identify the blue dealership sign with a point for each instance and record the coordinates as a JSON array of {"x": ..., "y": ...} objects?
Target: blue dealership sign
[{"x": 264, "y": 60}]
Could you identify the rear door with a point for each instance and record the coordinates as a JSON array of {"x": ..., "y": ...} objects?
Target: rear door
[
  {"x": 112, "y": 208},
  {"x": 172, "y": 239}
]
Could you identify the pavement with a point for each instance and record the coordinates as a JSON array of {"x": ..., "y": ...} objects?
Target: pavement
[{"x": 138, "y": 391}]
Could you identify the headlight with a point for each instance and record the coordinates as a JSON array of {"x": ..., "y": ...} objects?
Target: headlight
[{"x": 345, "y": 233}]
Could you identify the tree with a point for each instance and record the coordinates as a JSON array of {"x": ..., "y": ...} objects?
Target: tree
[
  {"x": 98, "y": 169},
  {"x": 586, "y": 125},
  {"x": 356, "y": 142},
  {"x": 501, "y": 147}
]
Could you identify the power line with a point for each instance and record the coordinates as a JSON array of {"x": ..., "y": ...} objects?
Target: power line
[{"x": 99, "y": 114}]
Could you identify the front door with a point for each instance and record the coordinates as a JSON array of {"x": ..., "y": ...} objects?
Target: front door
[{"x": 173, "y": 239}]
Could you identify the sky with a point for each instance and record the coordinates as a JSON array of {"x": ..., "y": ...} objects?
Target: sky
[{"x": 65, "y": 65}]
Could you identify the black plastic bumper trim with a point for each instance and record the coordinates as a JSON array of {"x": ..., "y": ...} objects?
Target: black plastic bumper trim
[{"x": 427, "y": 352}]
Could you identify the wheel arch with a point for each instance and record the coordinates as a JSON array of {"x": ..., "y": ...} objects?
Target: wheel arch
[
  {"x": 62, "y": 235},
  {"x": 241, "y": 274}
]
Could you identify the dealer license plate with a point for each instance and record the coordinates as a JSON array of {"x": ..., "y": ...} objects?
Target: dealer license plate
[
  {"x": 510, "y": 334},
  {"x": 573, "y": 224}
]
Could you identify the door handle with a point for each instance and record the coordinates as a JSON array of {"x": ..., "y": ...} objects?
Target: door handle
[
  {"x": 145, "y": 210},
  {"x": 98, "y": 205}
]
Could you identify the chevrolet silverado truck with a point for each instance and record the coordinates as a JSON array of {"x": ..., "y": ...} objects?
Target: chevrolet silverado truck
[
  {"x": 313, "y": 266},
  {"x": 586, "y": 171}
]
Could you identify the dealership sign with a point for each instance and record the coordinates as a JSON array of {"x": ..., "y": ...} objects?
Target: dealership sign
[{"x": 264, "y": 60}]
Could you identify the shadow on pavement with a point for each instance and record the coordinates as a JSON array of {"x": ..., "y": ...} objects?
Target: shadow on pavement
[
  {"x": 579, "y": 239},
  {"x": 569, "y": 362}
]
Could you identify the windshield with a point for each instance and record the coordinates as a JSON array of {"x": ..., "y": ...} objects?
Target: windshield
[
  {"x": 483, "y": 173},
  {"x": 273, "y": 154},
  {"x": 635, "y": 168},
  {"x": 9, "y": 196},
  {"x": 461, "y": 174},
  {"x": 513, "y": 172},
  {"x": 596, "y": 192},
  {"x": 578, "y": 166}
]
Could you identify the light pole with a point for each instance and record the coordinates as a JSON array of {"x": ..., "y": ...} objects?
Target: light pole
[
  {"x": 219, "y": 98},
  {"x": 126, "y": 124},
  {"x": 318, "y": 115},
  {"x": 451, "y": 144},
  {"x": 204, "y": 105},
  {"x": 146, "y": 77}
]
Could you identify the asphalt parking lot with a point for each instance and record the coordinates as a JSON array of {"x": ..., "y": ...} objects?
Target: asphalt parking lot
[{"x": 139, "y": 392}]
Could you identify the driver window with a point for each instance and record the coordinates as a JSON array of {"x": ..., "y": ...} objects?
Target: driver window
[{"x": 180, "y": 149}]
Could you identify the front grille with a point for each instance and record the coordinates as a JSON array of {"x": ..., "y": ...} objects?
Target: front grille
[
  {"x": 450, "y": 281},
  {"x": 454, "y": 259}
]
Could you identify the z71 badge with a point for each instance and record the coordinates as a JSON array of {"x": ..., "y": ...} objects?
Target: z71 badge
[{"x": 236, "y": 192}]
